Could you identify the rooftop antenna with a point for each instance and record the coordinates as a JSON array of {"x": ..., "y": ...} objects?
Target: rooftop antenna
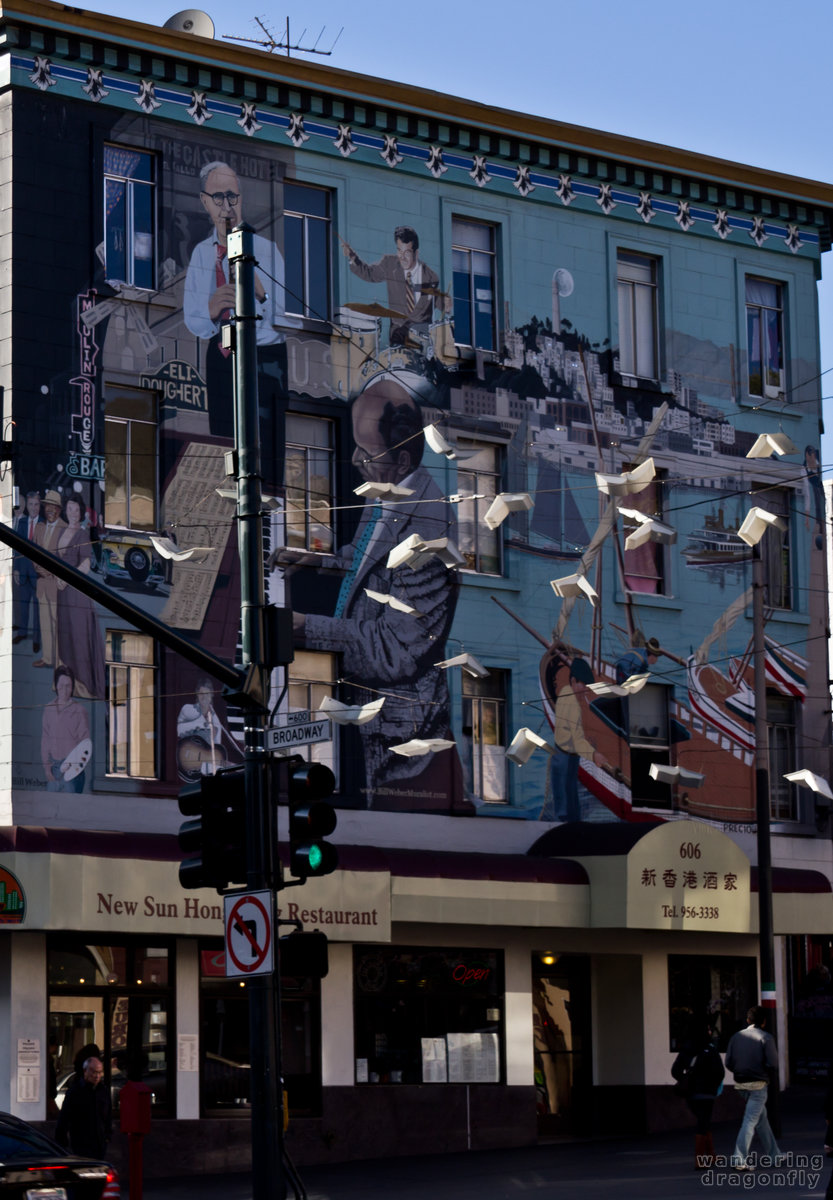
[{"x": 272, "y": 44}]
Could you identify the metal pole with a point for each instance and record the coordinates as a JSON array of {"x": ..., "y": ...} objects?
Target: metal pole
[
  {"x": 264, "y": 995},
  {"x": 765, "y": 929}
]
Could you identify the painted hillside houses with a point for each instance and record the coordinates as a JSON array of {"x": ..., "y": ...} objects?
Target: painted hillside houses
[{"x": 514, "y": 381}]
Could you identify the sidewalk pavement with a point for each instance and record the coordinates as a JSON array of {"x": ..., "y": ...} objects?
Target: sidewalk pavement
[{"x": 657, "y": 1167}]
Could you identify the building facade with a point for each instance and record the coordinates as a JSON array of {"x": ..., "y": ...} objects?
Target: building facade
[{"x": 513, "y": 378}]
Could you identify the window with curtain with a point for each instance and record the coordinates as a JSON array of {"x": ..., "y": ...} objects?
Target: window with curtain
[
  {"x": 645, "y": 564},
  {"x": 473, "y": 257},
  {"x": 637, "y": 287},
  {"x": 765, "y": 337},
  {"x": 130, "y": 215}
]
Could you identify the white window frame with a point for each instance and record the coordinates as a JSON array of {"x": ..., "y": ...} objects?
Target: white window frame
[
  {"x": 638, "y": 301},
  {"x": 139, "y": 245},
  {"x": 137, "y": 677},
  {"x": 463, "y": 266},
  {"x": 309, "y": 222},
  {"x": 314, "y": 514}
]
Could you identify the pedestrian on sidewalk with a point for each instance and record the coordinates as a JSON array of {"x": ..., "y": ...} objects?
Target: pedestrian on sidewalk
[
  {"x": 698, "y": 1069},
  {"x": 85, "y": 1120},
  {"x": 753, "y": 1060}
]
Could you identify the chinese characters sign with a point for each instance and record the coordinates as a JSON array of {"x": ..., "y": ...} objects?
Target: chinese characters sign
[{"x": 686, "y": 875}]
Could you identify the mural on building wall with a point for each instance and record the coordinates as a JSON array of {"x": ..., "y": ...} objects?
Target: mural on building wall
[{"x": 540, "y": 414}]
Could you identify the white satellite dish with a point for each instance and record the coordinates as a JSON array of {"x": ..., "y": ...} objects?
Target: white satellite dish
[
  {"x": 191, "y": 20},
  {"x": 563, "y": 280}
]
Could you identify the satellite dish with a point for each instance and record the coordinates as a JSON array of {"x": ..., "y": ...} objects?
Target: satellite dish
[
  {"x": 563, "y": 280},
  {"x": 191, "y": 20}
]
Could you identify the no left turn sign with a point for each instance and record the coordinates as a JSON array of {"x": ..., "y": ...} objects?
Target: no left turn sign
[{"x": 249, "y": 934}]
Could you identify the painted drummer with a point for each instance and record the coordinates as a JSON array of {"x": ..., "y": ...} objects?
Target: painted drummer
[{"x": 413, "y": 288}]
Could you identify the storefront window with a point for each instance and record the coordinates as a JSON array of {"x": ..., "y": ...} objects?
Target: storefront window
[
  {"x": 721, "y": 988},
  {"x": 224, "y": 1040},
  {"x": 428, "y": 1015},
  {"x": 116, "y": 998}
]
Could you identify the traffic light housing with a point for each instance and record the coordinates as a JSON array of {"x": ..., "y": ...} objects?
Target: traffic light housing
[
  {"x": 304, "y": 954},
  {"x": 311, "y": 819},
  {"x": 215, "y": 840}
]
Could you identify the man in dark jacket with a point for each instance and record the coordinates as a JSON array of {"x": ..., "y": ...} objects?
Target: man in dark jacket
[
  {"x": 752, "y": 1058},
  {"x": 85, "y": 1121}
]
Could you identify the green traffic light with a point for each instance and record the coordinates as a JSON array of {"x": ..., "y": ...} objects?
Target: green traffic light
[{"x": 315, "y": 857}]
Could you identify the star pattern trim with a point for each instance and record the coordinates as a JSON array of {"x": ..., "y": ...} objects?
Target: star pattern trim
[
  {"x": 42, "y": 74},
  {"x": 758, "y": 233},
  {"x": 604, "y": 199},
  {"x": 564, "y": 191},
  {"x": 94, "y": 87},
  {"x": 390, "y": 151},
  {"x": 146, "y": 98},
  {"x": 721, "y": 225},
  {"x": 522, "y": 182},
  {"x": 344, "y": 142},
  {"x": 435, "y": 162},
  {"x": 480, "y": 171},
  {"x": 198, "y": 108},
  {"x": 295, "y": 131},
  {"x": 247, "y": 120},
  {"x": 683, "y": 216},
  {"x": 645, "y": 208}
]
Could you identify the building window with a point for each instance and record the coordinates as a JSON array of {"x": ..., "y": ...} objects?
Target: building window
[
  {"x": 645, "y": 564},
  {"x": 775, "y": 547},
  {"x": 307, "y": 240},
  {"x": 131, "y": 705},
  {"x": 765, "y": 337},
  {"x": 312, "y": 678},
  {"x": 117, "y": 997},
  {"x": 780, "y": 718},
  {"x": 478, "y": 478},
  {"x": 428, "y": 1015},
  {"x": 309, "y": 483},
  {"x": 637, "y": 289},
  {"x": 483, "y": 748},
  {"x": 130, "y": 449},
  {"x": 225, "y": 1055},
  {"x": 646, "y": 717},
  {"x": 475, "y": 294},
  {"x": 129, "y": 215},
  {"x": 723, "y": 988}
]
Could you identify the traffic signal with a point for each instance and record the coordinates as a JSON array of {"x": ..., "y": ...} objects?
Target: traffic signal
[
  {"x": 215, "y": 841},
  {"x": 304, "y": 954},
  {"x": 311, "y": 819}
]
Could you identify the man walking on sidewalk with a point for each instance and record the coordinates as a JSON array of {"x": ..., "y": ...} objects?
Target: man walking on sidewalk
[{"x": 753, "y": 1060}]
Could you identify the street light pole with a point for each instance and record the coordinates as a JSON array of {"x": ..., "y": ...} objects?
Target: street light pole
[
  {"x": 765, "y": 930},
  {"x": 261, "y": 840},
  {"x": 766, "y": 940}
]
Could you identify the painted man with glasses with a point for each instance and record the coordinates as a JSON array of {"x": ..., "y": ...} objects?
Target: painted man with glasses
[{"x": 209, "y": 295}]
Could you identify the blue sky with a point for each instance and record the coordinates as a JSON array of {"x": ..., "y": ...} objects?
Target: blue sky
[{"x": 742, "y": 81}]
